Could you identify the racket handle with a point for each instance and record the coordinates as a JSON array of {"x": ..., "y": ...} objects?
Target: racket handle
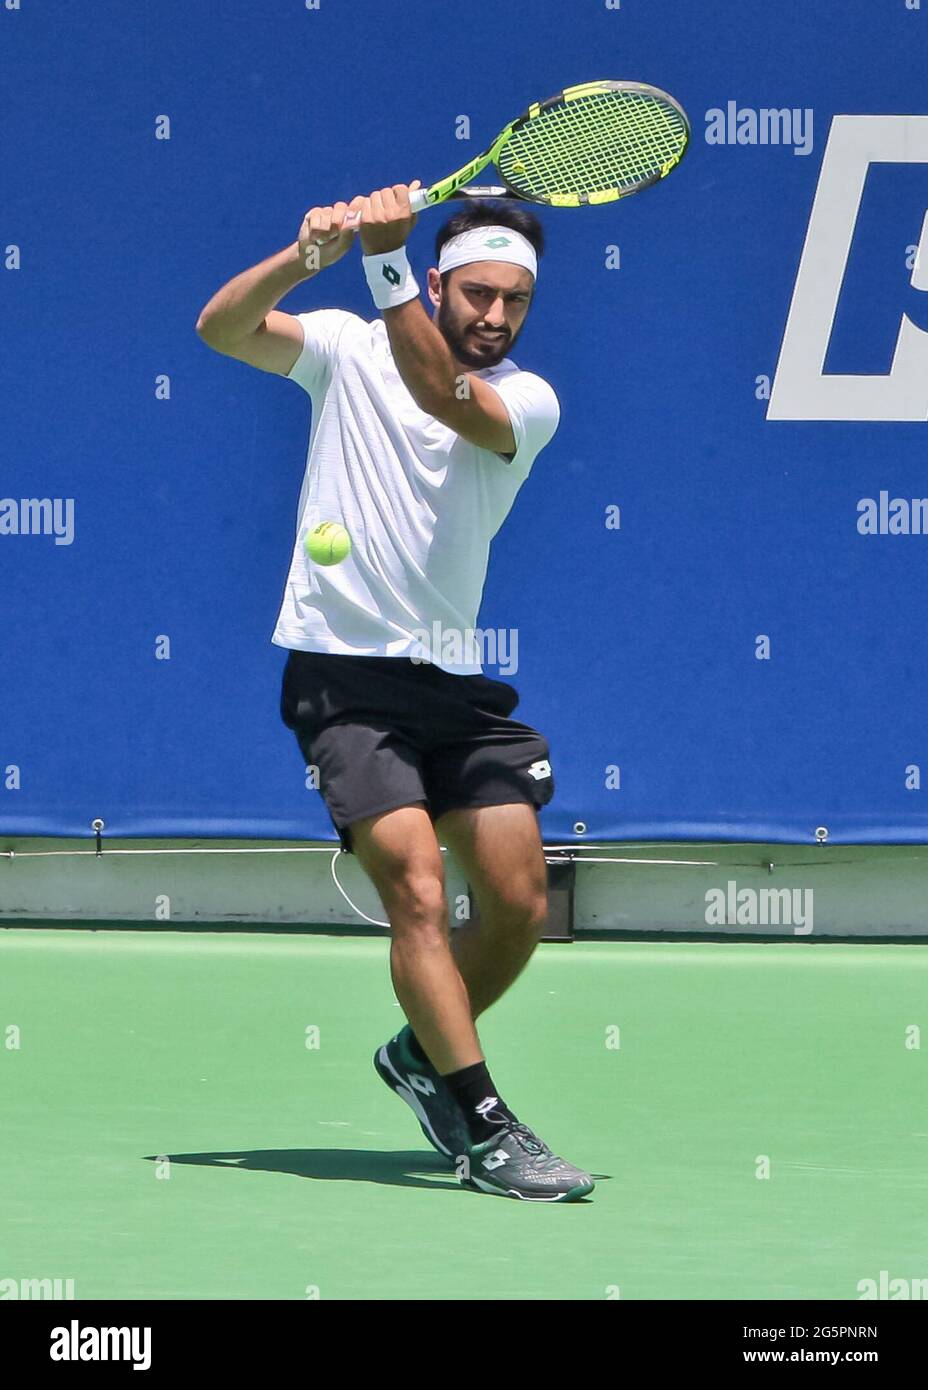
[{"x": 419, "y": 199}]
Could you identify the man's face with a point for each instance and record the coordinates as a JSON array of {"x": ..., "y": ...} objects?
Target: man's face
[{"x": 481, "y": 309}]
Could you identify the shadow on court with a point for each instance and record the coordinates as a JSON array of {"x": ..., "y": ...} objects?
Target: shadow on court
[{"x": 395, "y": 1169}]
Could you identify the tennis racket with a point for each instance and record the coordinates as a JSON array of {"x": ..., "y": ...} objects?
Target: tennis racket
[{"x": 590, "y": 144}]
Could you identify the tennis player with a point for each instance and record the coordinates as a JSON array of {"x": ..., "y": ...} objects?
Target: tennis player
[{"x": 423, "y": 431}]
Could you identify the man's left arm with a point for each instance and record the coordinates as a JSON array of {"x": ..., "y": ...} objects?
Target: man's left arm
[{"x": 463, "y": 402}]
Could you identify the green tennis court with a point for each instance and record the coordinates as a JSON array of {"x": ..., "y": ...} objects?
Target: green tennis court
[{"x": 295, "y": 1173}]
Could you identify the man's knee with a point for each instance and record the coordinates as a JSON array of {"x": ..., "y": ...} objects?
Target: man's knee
[
  {"x": 533, "y": 912},
  {"x": 417, "y": 895},
  {"x": 412, "y": 889},
  {"x": 521, "y": 908},
  {"x": 401, "y": 856}
]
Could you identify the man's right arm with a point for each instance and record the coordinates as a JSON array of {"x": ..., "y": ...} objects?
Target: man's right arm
[{"x": 241, "y": 320}]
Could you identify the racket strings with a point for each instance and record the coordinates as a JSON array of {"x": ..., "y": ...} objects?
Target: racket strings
[
  {"x": 620, "y": 138},
  {"x": 602, "y": 143},
  {"x": 614, "y": 140}
]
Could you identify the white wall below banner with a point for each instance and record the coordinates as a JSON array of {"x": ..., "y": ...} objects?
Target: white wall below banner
[{"x": 765, "y": 891}]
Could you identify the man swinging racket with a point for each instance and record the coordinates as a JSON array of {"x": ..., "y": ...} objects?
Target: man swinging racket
[
  {"x": 423, "y": 434},
  {"x": 423, "y": 431}
]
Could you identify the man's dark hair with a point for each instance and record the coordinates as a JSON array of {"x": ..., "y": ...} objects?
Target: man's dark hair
[{"x": 482, "y": 212}]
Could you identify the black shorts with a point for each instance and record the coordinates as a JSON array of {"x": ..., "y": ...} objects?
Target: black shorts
[{"x": 386, "y": 732}]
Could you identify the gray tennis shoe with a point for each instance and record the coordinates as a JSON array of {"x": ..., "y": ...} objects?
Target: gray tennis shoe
[{"x": 516, "y": 1163}]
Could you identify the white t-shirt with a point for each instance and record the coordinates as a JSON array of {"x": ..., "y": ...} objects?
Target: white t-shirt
[{"x": 420, "y": 503}]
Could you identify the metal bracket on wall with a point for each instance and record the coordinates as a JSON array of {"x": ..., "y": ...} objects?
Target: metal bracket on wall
[{"x": 561, "y": 875}]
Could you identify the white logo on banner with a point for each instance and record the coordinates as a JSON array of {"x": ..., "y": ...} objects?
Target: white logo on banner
[{"x": 801, "y": 389}]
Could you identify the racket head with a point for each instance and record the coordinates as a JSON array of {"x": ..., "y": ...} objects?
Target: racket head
[{"x": 592, "y": 144}]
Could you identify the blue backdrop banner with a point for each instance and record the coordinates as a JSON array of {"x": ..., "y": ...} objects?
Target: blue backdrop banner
[{"x": 711, "y": 591}]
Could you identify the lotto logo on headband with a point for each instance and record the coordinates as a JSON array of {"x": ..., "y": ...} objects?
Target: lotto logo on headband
[{"x": 489, "y": 244}]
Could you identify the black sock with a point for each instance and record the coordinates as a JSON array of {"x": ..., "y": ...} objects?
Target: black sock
[{"x": 475, "y": 1093}]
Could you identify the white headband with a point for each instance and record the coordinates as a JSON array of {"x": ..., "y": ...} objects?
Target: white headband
[{"x": 489, "y": 244}]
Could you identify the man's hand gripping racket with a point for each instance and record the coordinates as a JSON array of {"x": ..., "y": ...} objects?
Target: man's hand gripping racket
[{"x": 384, "y": 218}]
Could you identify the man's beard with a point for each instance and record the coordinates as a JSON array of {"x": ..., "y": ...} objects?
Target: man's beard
[{"x": 463, "y": 347}]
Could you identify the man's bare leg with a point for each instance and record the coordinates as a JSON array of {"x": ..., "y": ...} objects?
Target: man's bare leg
[
  {"x": 400, "y": 852},
  {"x": 499, "y": 848}
]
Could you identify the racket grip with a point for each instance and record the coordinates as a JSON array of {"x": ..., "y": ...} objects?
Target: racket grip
[{"x": 419, "y": 199}]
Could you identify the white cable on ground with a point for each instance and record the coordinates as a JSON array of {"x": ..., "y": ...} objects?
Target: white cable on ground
[
  {"x": 354, "y": 907},
  {"x": 578, "y": 856},
  {"x": 62, "y": 853}
]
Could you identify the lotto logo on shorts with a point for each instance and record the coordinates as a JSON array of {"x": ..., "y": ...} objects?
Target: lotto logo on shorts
[{"x": 540, "y": 769}]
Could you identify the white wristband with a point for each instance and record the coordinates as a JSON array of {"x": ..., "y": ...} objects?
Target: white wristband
[{"x": 390, "y": 279}]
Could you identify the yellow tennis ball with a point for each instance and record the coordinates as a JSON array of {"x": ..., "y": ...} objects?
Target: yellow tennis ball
[{"x": 328, "y": 543}]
